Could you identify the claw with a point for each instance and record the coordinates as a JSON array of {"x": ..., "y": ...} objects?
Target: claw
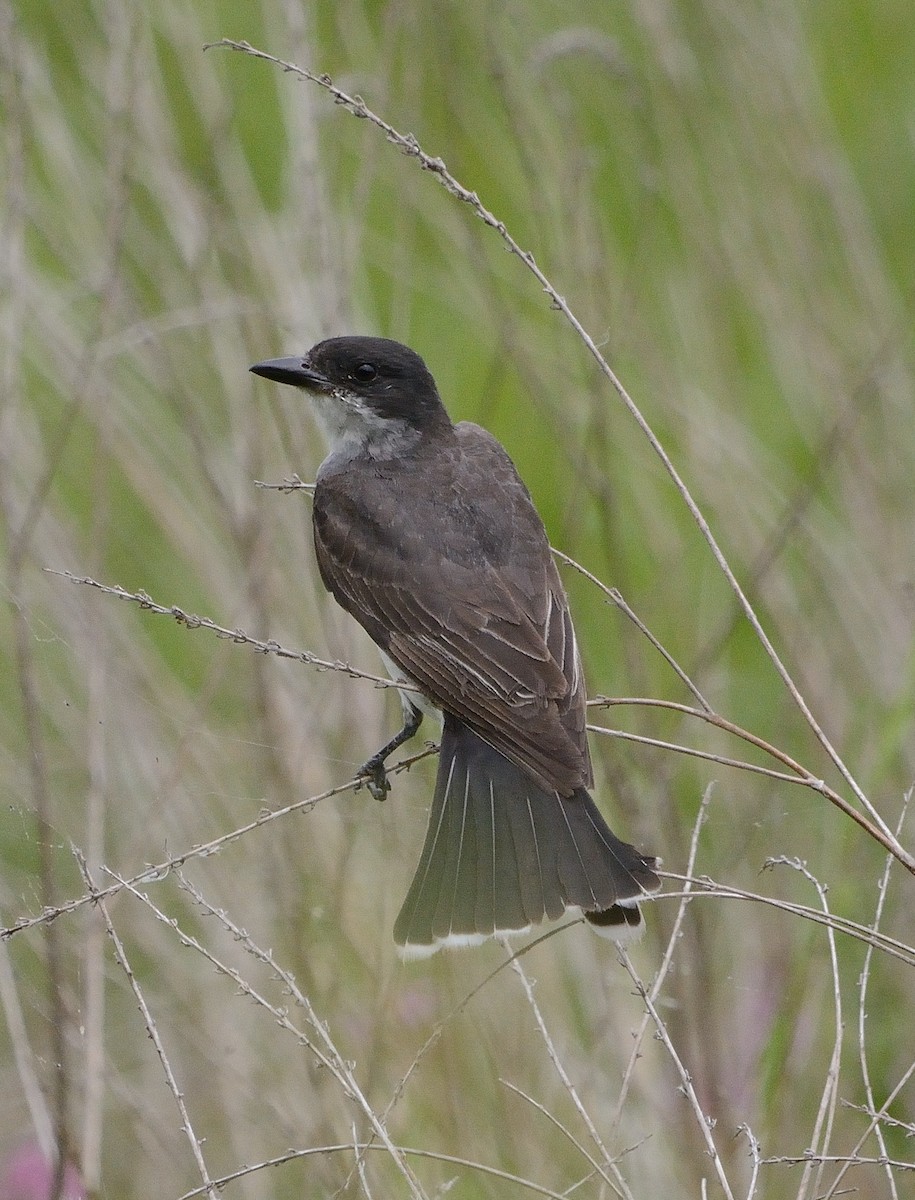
[{"x": 376, "y": 779}]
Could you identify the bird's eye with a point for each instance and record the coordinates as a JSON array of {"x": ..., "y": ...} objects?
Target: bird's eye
[{"x": 365, "y": 372}]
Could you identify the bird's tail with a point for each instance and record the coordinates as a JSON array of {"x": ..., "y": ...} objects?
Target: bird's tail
[{"x": 502, "y": 854}]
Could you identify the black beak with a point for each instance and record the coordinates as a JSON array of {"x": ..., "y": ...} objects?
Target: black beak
[{"x": 292, "y": 370}]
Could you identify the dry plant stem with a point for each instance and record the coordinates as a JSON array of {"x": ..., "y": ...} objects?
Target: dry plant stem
[
  {"x": 597, "y": 1169},
  {"x": 436, "y": 1034},
  {"x": 862, "y": 1003},
  {"x": 410, "y": 1151},
  {"x": 161, "y": 870},
  {"x": 567, "y": 1083},
  {"x": 686, "y": 1083},
  {"x": 409, "y": 145},
  {"x": 806, "y": 778},
  {"x": 191, "y": 621},
  {"x": 667, "y": 958},
  {"x": 757, "y": 1161},
  {"x": 878, "y": 1115},
  {"x": 846, "y": 1161},
  {"x": 152, "y": 1029},
  {"x": 292, "y": 484},
  {"x": 907, "y": 1127},
  {"x": 324, "y": 1048},
  {"x": 360, "y": 1164},
  {"x": 706, "y": 755},
  {"x": 811, "y": 1183},
  {"x": 703, "y": 886},
  {"x": 615, "y": 596}
]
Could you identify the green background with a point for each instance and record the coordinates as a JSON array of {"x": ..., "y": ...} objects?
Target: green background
[{"x": 724, "y": 194}]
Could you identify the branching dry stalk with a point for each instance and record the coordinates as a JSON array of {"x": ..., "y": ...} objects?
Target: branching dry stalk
[
  {"x": 667, "y": 958},
  {"x": 702, "y": 886},
  {"x": 821, "y": 1136},
  {"x": 610, "y": 1163},
  {"x": 704, "y": 1123},
  {"x": 755, "y": 1156},
  {"x": 484, "y": 1169},
  {"x": 269, "y": 646},
  {"x": 863, "y": 983},
  {"x": 161, "y": 869},
  {"x": 319, "y": 1043},
  {"x": 152, "y": 1029},
  {"x": 800, "y": 774},
  {"x": 845, "y": 1161}
]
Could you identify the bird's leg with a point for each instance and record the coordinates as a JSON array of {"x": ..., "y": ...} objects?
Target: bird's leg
[{"x": 373, "y": 771}]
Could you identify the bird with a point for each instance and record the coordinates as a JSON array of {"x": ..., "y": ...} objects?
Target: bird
[{"x": 425, "y": 533}]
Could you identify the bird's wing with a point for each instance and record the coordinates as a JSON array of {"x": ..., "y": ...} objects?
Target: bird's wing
[{"x": 445, "y": 563}]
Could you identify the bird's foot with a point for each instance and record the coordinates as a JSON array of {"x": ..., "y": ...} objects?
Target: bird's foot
[
  {"x": 376, "y": 778},
  {"x": 373, "y": 772}
]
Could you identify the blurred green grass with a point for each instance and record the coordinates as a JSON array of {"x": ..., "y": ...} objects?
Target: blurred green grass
[{"x": 725, "y": 199}]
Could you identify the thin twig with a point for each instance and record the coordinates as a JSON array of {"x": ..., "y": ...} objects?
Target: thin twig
[
  {"x": 160, "y": 870},
  {"x": 846, "y": 1160},
  {"x": 883, "y": 1118},
  {"x": 723, "y": 760},
  {"x": 293, "y": 484},
  {"x": 269, "y": 646},
  {"x": 754, "y": 1154},
  {"x": 152, "y": 1029},
  {"x": 615, "y": 596},
  {"x": 887, "y": 840},
  {"x": 322, "y": 1045},
  {"x": 667, "y": 958},
  {"x": 705, "y": 1123},
  {"x": 360, "y": 1164},
  {"x": 703, "y": 886},
  {"x": 410, "y": 1151},
  {"x": 564, "y": 1077},
  {"x": 826, "y": 1113},
  {"x": 863, "y": 982}
]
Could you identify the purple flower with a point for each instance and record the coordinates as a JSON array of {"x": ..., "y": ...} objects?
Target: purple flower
[{"x": 27, "y": 1175}]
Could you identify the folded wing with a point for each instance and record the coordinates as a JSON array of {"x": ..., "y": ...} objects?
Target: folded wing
[{"x": 449, "y": 571}]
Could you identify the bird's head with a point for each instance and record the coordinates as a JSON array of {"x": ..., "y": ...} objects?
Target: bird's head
[{"x": 368, "y": 391}]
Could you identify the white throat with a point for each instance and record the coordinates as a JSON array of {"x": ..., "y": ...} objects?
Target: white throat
[{"x": 352, "y": 429}]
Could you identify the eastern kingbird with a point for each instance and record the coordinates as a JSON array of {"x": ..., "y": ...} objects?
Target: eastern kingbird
[{"x": 425, "y": 534}]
